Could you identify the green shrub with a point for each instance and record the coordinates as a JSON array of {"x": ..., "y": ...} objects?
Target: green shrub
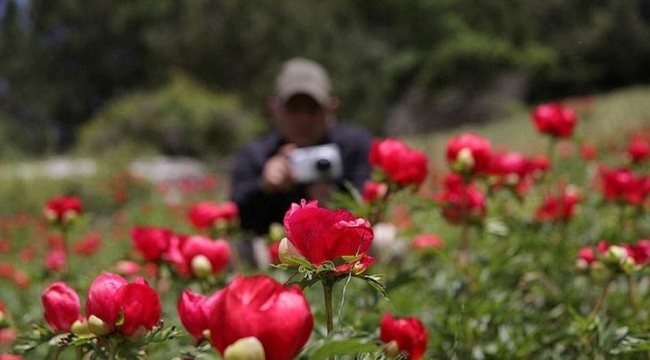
[{"x": 182, "y": 118}]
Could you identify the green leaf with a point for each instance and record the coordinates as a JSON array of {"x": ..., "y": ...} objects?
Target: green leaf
[
  {"x": 375, "y": 282},
  {"x": 327, "y": 348}
]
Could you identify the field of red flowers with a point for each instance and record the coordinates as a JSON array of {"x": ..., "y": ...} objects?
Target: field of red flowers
[{"x": 490, "y": 253}]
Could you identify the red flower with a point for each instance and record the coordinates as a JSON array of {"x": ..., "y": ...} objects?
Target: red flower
[
  {"x": 558, "y": 208},
  {"x": 468, "y": 153},
  {"x": 201, "y": 256},
  {"x": 102, "y": 302},
  {"x": 62, "y": 209},
  {"x": 638, "y": 149},
  {"x": 258, "y": 306},
  {"x": 408, "y": 333},
  {"x": 401, "y": 164},
  {"x": 622, "y": 185},
  {"x": 537, "y": 166},
  {"x": 151, "y": 242},
  {"x": 111, "y": 298},
  {"x": 588, "y": 152},
  {"x": 140, "y": 306},
  {"x": 62, "y": 306},
  {"x": 427, "y": 241},
  {"x": 586, "y": 254},
  {"x": 194, "y": 311},
  {"x": 461, "y": 201},
  {"x": 321, "y": 234},
  {"x": 56, "y": 260},
  {"x": 88, "y": 245},
  {"x": 274, "y": 252},
  {"x": 206, "y": 214},
  {"x": 10, "y": 357},
  {"x": 373, "y": 191},
  {"x": 554, "y": 119}
]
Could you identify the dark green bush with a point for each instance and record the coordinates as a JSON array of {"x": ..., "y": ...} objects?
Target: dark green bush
[{"x": 182, "y": 118}]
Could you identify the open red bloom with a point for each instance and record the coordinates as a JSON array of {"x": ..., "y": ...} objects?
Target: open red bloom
[
  {"x": 150, "y": 241},
  {"x": 140, "y": 307},
  {"x": 194, "y": 311},
  {"x": 258, "y": 306},
  {"x": 558, "y": 208},
  {"x": 201, "y": 256},
  {"x": 111, "y": 298},
  {"x": 373, "y": 191},
  {"x": 62, "y": 209},
  {"x": 321, "y": 234},
  {"x": 638, "y": 149},
  {"x": 623, "y": 185},
  {"x": 401, "y": 164},
  {"x": 206, "y": 214},
  {"x": 554, "y": 119},
  {"x": 62, "y": 306},
  {"x": 468, "y": 153},
  {"x": 460, "y": 201},
  {"x": 409, "y": 333}
]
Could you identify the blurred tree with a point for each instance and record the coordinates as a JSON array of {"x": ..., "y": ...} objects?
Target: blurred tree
[{"x": 60, "y": 62}]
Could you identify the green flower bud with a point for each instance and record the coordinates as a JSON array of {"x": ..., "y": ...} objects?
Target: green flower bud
[{"x": 249, "y": 348}]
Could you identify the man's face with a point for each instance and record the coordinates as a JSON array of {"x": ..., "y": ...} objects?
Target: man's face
[{"x": 302, "y": 120}]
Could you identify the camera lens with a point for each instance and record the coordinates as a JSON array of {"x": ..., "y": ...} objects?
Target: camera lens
[{"x": 323, "y": 165}]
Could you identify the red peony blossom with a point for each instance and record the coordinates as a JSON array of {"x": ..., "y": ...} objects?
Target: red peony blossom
[
  {"x": 321, "y": 234},
  {"x": 508, "y": 164},
  {"x": 199, "y": 256},
  {"x": 468, "y": 153},
  {"x": 88, "y": 246},
  {"x": 10, "y": 357},
  {"x": 194, "y": 311},
  {"x": 258, "y": 306},
  {"x": 586, "y": 254},
  {"x": 274, "y": 255},
  {"x": 151, "y": 242},
  {"x": 112, "y": 298},
  {"x": 558, "y": 208},
  {"x": 102, "y": 302},
  {"x": 8, "y": 336},
  {"x": 588, "y": 152},
  {"x": 622, "y": 185},
  {"x": 206, "y": 214},
  {"x": 373, "y": 191},
  {"x": 409, "y": 334},
  {"x": 56, "y": 260},
  {"x": 460, "y": 201},
  {"x": 638, "y": 149},
  {"x": 401, "y": 164},
  {"x": 140, "y": 306},
  {"x": 62, "y": 306},
  {"x": 63, "y": 209},
  {"x": 554, "y": 119},
  {"x": 427, "y": 241}
]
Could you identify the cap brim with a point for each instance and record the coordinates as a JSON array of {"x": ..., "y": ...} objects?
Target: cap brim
[{"x": 321, "y": 96}]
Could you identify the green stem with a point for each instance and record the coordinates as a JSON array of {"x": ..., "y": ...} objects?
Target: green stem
[
  {"x": 463, "y": 249},
  {"x": 66, "y": 249},
  {"x": 328, "y": 288},
  {"x": 601, "y": 299},
  {"x": 631, "y": 294}
]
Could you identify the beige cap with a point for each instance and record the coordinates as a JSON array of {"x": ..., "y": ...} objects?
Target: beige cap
[{"x": 303, "y": 76}]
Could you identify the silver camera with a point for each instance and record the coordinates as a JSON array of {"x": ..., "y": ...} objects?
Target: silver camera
[{"x": 317, "y": 163}]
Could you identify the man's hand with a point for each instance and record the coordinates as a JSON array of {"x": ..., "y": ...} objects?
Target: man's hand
[{"x": 277, "y": 175}]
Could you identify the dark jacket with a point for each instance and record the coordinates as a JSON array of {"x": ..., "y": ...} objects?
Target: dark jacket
[{"x": 258, "y": 210}]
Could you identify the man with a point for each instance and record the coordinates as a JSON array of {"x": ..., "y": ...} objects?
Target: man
[{"x": 264, "y": 182}]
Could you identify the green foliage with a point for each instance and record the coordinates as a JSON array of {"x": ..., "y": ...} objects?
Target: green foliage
[
  {"x": 74, "y": 58},
  {"x": 182, "y": 118}
]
